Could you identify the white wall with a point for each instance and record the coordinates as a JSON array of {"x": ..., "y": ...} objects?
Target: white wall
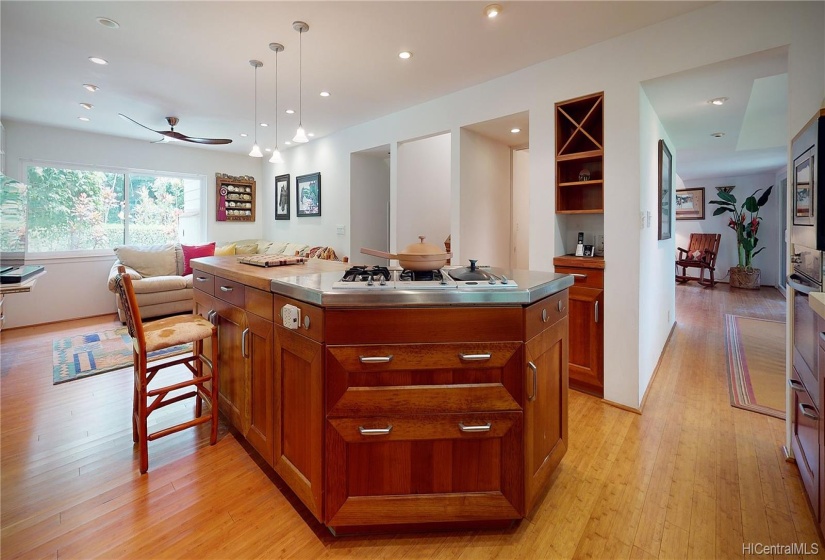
[
  {"x": 423, "y": 191},
  {"x": 657, "y": 306},
  {"x": 769, "y": 231},
  {"x": 485, "y": 200},
  {"x": 370, "y": 198},
  {"x": 76, "y": 287},
  {"x": 718, "y": 32},
  {"x": 521, "y": 210}
]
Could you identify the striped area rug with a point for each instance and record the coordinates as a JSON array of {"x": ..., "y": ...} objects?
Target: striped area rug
[
  {"x": 84, "y": 355},
  {"x": 756, "y": 364}
]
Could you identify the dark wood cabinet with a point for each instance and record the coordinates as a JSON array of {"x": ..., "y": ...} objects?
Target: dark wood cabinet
[
  {"x": 580, "y": 155},
  {"x": 586, "y": 322}
]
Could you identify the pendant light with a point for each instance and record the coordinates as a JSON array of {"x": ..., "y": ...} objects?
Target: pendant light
[
  {"x": 276, "y": 154},
  {"x": 256, "y": 151},
  {"x": 300, "y": 134}
]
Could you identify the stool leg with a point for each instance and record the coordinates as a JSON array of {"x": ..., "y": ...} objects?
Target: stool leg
[
  {"x": 135, "y": 397},
  {"x": 197, "y": 348},
  {"x": 215, "y": 381}
]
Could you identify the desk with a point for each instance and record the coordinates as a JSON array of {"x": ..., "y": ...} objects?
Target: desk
[{"x": 16, "y": 289}]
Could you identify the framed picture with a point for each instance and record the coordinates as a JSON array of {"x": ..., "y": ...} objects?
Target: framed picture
[
  {"x": 235, "y": 198},
  {"x": 803, "y": 190},
  {"x": 665, "y": 191},
  {"x": 282, "y": 197},
  {"x": 308, "y": 194},
  {"x": 690, "y": 204}
]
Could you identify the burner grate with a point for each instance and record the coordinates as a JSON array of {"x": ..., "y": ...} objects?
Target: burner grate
[
  {"x": 420, "y": 276},
  {"x": 363, "y": 273}
]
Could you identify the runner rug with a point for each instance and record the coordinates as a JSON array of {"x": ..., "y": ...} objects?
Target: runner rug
[
  {"x": 756, "y": 364},
  {"x": 84, "y": 355}
]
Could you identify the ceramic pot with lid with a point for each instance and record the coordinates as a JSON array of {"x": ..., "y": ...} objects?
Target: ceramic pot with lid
[
  {"x": 470, "y": 273},
  {"x": 417, "y": 256}
]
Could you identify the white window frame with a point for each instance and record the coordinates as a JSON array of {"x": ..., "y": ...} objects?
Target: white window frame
[{"x": 24, "y": 165}]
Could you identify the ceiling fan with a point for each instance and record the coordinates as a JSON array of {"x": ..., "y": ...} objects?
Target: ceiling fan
[{"x": 170, "y": 135}]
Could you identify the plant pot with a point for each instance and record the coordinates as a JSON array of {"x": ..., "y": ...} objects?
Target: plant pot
[{"x": 744, "y": 278}]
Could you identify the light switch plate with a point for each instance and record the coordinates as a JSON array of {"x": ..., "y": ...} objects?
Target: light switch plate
[{"x": 341, "y": 230}]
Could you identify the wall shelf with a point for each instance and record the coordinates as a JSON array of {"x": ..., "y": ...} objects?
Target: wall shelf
[{"x": 580, "y": 155}]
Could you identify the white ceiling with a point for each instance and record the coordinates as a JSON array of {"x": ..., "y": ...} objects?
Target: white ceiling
[{"x": 191, "y": 60}]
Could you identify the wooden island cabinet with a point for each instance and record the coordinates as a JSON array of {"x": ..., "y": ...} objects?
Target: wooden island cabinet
[{"x": 396, "y": 418}]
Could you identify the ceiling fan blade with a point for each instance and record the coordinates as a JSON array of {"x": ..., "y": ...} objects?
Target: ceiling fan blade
[
  {"x": 137, "y": 123},
  {"x": 204, "y": 140}
]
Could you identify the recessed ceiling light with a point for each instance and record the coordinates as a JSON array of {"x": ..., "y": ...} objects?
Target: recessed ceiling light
[
  {"x": 243, "y": 134},
  {"x": 264, "y": 124},
  {"x": 515, "y": 130},
  {"x": 493, "y": 10},
  {"x": 718, "y": 134},
  {"x": 106, "y": 22},
  {"x": 288, "y": 143},
  {"x": 98, "y": 60},
  {"x": 84, "y": 119},
  {"x": 405, "y": 55},
  {"x": 90, "y": 87},
  {"x": 324, "y": 94},
  {"x": 290, "y": 112},
  {"x": 310, "y": 134},
  {"x": 718, "y": 101},
  {"x": 87, "y": 105}
]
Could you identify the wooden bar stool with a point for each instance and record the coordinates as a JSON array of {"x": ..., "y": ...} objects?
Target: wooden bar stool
[{"x": 157, "y": 335}]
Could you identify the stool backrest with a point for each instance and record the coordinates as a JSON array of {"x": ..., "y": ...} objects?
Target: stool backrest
[{"x": 126, "y": 292}]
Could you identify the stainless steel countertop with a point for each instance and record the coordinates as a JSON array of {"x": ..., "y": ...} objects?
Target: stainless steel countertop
[{"x": 316, "y": 288}]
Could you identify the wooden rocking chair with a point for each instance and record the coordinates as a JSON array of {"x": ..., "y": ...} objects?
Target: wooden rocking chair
[{"x": 701, "y": 254}]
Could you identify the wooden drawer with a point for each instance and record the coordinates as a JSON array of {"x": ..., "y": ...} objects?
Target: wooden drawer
[
  {"x": 230, "y": 291},
  {"x": 313, "y": 328},
  {"x": 400, "y": 473},
  {"x": 584, "y": 277},
  {"x": 259, "y": 302},
  {"x": 410, "y": 325},
  {"x": 423, "y": 378},
  {"x": 545, "y": 313},
  {"x": 805, "y": 440},
  {"x": 203, "y": 281}
]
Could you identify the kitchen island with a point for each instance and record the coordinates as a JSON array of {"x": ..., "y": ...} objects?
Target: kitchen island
[{"x": 394, "y": 409}]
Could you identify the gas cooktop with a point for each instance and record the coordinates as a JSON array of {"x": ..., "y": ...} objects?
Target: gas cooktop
[{"x": 383, "y": 278}]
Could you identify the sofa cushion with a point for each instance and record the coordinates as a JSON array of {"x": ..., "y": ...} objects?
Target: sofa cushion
[
  {"x": 194, "y": 251},
  {"x": 149, "y": 260},
  {"x": 225, "y": 250},
  {"x": 250, "y": 249},
  {"x": 153, "y": 284},
  {"x": 276, "y": 248},
  {"x": 294, "y": 248}
]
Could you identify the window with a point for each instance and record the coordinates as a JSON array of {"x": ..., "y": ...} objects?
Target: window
[{"x": 77, "y": 209}]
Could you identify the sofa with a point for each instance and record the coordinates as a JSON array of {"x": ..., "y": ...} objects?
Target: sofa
[{"x": 162, "y": 278}]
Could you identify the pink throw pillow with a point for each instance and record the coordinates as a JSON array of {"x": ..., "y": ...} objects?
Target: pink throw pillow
[{"x": 194, "y": 251}]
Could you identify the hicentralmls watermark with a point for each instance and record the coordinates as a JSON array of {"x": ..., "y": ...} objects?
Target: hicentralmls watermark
[{"x": 795, "y": 549}]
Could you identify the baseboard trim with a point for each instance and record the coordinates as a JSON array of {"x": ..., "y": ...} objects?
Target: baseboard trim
[
  {"x": 656, "y": 369},
  {"x": 623, "y": 407},
  {"x": 47, "y": 323}
]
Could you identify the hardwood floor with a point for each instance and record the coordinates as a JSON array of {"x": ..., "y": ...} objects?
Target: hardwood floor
[{"x": 691, "y": 477}]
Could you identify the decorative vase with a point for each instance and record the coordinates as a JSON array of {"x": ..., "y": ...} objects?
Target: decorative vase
[{"x": 744, "y": 278}]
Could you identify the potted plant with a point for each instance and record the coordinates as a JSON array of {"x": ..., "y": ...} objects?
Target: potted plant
[{"x": 745, "y": 222}]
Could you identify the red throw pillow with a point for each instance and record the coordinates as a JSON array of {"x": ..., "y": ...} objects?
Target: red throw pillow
[{"x": 194, "y": 251}]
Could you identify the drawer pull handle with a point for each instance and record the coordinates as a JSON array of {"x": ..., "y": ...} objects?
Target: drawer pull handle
[
  {"x": 535, "y": 371},
  {"x": 822, "y": 336},
  {"x": 375, "y": 359},
  {"x": 544, "y": 316},
  {"x": 582, "y": 276},
  {"x": 473, "y": 429},
  {"x": 201, "y": 278},
  {"x": 374, "y": 431},
  {"x": 226, "y": 288},
  {"x": 211, "y": 316},
  {"x": 596, "y": 308},
  {"x": 803, "y": 408},
  {"x": 475, "y": 357},
  {"x": 796, "y": 385},
  {"x": 561, "y": 306},
  {"x": 243, "y": 342}
]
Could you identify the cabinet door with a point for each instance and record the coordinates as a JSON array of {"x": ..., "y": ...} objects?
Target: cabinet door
[
  {"x": 233, "y": 379},
  {"x": 204, "y": 305},
  {"x": 299, "y": 416},
  {"x": 587, "y": 340},
  {"x": 805, "y": 439},
  {"x": 545, "y": 408},
  {"x": 424, "y": 469},
  {"x": 257, "y": 343}
]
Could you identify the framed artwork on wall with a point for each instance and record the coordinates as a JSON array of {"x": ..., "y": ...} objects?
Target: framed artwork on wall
[
  {"x": 690, "y": 204},
  {"x": 665, "y": 191},
  {"x": 282, "y": 197},
  {"x": 235, "y": 198},
  {"x": 308, "y": 195}
]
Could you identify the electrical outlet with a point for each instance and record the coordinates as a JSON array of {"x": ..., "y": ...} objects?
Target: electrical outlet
[
  {"x": 648, "y": 218},
  {"x": 641, "y": 220},
  {"x": 341, "y": 230}
]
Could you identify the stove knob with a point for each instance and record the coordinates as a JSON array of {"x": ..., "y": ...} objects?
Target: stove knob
[
  {"x": 370, "y": 282},
  {"x": 491, "y": 281},
  {"x": 383, "y": 281},
  {"x": 504, "y": 279}
]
